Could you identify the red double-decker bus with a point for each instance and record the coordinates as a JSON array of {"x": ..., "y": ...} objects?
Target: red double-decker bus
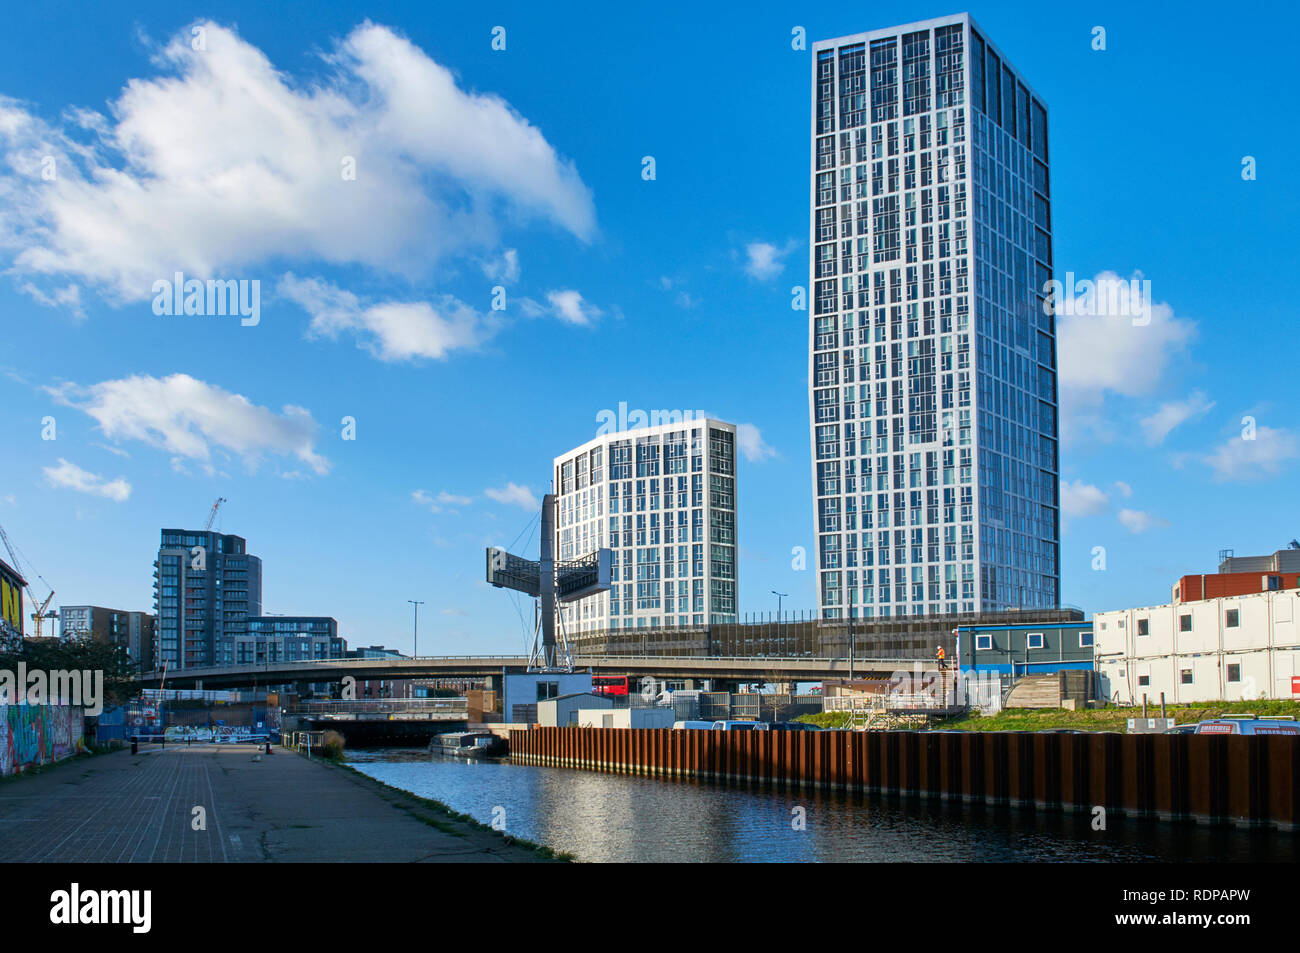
[{"x": 612, "y": 684}]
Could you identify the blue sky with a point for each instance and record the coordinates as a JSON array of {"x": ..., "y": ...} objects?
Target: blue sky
[{"x": 522, "y": 168}]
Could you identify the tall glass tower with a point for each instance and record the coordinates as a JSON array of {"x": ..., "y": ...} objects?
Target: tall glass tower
[{"x": 932, "y": 347}]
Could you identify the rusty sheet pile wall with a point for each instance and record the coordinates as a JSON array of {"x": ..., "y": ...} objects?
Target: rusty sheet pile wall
[{"x": 1240, "y": 780}]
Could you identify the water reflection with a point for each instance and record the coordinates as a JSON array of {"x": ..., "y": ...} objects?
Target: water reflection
[{"x": 620, "y": 818}]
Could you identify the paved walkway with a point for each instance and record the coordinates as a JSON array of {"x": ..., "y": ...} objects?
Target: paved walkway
[{"x": 121, "y": 808}]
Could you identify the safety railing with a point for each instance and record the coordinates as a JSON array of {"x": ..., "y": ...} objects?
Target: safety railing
[
  {"x": 303, "y": 740},
  {"x": 382, "y": 705}
]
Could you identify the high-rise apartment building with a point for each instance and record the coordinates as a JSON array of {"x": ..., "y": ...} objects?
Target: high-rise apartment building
[
  {"x": 206, "y": 586},
  {"x": 663, "y": 500},
  {"x": 932, "y": 347}
]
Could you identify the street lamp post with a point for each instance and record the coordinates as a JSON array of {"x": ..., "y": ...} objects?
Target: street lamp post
[
  {"x": 779, "y": 597},
  {"x": 779, "y": 634},
  {"x": 417, "y": 603}
]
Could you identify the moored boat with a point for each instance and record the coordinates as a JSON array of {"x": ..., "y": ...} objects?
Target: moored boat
[{"x": 469, "y": 744}]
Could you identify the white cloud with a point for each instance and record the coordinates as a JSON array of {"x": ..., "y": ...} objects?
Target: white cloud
[
  {"x": 505, "y": 268},
  {"x": 188, "y": 418},
  {"x": 1238, "y": 459},
  {"x": 1172, "y": 413},
  {"x": 570, "y": 307},
  {"x": 1105, "y": 355},
  {"x": 750, "y": 441},
  {"x": 221, "y": 162},
  {"x": 72, "y": 477},
  {"x": 1136, "y": 521},
  {"x": 763, "y": 260},
  {"x": 1082, "y": 499},
  {"x": 1125, "y": 490},
  {"x": 436, "y": 504},
  {"x": 514, "y": 495},
  {"x": 390, "y": 330},
  {"x": 69, "y": 297}
]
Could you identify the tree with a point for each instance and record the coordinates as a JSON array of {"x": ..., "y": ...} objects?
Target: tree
[{"x": 121, "y": 675}]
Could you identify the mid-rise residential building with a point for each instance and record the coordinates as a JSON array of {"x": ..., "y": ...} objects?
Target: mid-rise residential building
[
  {"x": 1244, "y": 646},
  {"x": 133, "y": 631},
  {"x": 206, "y": 586},
  {"x": 932, "y": 339},
  {"x": 287, "y": 639},
  {"x": 662, "y": 499}
]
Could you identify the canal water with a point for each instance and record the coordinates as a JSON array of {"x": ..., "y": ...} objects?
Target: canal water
[{"x": 621, "y": 818}]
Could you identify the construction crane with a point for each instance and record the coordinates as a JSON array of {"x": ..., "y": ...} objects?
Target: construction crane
[
  {"x": 212, "y": 515},
  {"x": 41, "y": 614}
]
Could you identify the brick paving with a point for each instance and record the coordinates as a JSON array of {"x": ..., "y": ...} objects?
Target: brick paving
[{"x": 124, "y": 808}]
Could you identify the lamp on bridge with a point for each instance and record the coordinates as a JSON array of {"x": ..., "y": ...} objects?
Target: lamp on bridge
[{"x": 415, "y": 652}]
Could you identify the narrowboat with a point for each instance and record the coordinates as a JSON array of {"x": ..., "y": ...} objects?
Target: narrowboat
[{"x": 469, "y": 744}]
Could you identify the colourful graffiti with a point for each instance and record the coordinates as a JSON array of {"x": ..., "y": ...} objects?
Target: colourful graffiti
[
  {"x": 219, "y": 734},
  {"x": 37, "y": 734}
]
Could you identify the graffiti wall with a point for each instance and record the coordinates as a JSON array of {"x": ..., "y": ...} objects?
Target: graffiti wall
[
  {"x": 218, "y": 734},
  {"x": 37, "y": 734}
]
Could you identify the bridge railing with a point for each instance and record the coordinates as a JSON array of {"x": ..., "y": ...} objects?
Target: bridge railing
[{"x": 382, "y": 705}]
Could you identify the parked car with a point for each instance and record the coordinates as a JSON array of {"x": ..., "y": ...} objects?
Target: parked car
[
  {"x": 793, "y": 726},
  {"x": 698, "y": 725},
  {"x": 1188, "y": 729},
  {"x": 740, "y": 726},
  {"x": 1249, "y": 725}
]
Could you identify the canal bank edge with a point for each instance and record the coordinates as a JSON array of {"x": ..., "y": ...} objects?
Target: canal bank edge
[{"x": 446, "y": 819}]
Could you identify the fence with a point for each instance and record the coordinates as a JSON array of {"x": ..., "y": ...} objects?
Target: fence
[
  {"x": 1242, "y": 780},
  {"x": 109, "y": 726},
  {"x": 303, "y": 740},
  {"x": 900, "y": 637}
]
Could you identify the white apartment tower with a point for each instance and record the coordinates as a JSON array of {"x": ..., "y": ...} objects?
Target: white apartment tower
[
  {"x": 932, "y": 347},
  {"x": 662, "y": 498}
]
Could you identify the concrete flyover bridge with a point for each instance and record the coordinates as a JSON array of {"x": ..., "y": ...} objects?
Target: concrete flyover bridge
[
  {"x": 379, "y": 721},
  {"x": 749, "y": 668}
]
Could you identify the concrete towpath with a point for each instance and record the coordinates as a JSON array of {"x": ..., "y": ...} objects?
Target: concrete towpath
[{"x": 122, "y": 808}]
